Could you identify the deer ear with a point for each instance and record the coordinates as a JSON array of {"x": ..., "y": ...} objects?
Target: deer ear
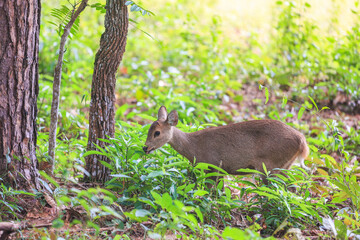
[
  {"x": 172, "y": 118},
  {"x": 162, "y": 114}
]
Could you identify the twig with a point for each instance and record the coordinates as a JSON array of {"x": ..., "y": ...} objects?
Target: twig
[{"x": 9, "y": 227}]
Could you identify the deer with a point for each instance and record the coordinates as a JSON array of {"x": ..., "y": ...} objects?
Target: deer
[{"x": 243, "y": 145}]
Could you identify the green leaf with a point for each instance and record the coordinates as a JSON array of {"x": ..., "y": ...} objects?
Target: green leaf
[
  {"x": 63, "y": 16},
  {"x": 120, "y": 176},
  {"x": 269, "y": 195},
  {"x": 156, "y": 174},
  {"x": 300, "y": 113},
  {"x": 46, "y": 185},
  {"x": 312, "y": 100},
  {"x": 266, "y": 95},
  {"x": 342, "y": 187},
  {"x": 106, "y": 164},
  {"x": 50, "y": 179},
  {"x": 200, "y": 193},
  {"x": 203, "y": 166},
  {"x": 117, "y": 237},
  {"x": 304, "y": 207},
  {"x": 206, "y": 166},
  {"x": 233, "y": 234},
  {"x": 265, "y": 170},
  {"x": 341, "y": 229},
  {"x": 199, "y": 214},
  {"x": 324, "y": 108},
  {"x": 250, "y": 171},
  {"x": 165, "y": 201},
  {"x": 284, "y": 101},
  {"x": 147, "y": 201},
  {"x": 142, "y": 213},
  {"x": 220, "y": 185},
  {"x": 93, "y": 152},
  {"x": 156, "y": 196},
  {"x": 112, "y": 212},
  {"x": 189, "y": 187}
]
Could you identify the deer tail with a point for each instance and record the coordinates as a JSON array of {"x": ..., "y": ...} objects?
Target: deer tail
[{"x": 304, "y": 153}]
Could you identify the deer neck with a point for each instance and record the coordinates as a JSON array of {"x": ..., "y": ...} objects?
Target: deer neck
[{"x": 181, "y": 142}]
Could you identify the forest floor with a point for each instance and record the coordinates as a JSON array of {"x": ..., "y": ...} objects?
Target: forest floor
[{"x": 251, "y": 105}]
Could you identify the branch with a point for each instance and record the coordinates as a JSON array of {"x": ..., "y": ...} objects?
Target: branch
[
  {"x": 8, "y": 227},
  {"x": 57, "y": 82}
]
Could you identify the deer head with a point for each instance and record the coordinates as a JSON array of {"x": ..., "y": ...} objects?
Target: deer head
[{"x": 161, "y": 131}]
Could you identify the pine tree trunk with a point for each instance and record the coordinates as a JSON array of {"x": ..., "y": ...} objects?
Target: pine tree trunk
[
  {"x": 19, "y": 48},
  {"x": 102, "y": 110}
]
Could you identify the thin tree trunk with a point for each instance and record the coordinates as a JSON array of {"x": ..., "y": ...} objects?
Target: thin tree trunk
[
  {"x": 57, "y": 83},
  {"x": 19, "y": 48},
  {"x": 102, "y": 110}
]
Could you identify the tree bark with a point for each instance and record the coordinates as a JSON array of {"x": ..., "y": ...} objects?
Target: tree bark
[
  {"x": 19, "y": 48},
  {"x": 102, "y": 110}
]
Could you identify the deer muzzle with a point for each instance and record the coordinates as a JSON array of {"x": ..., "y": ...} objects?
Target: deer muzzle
[{"x": 147, "y": 150}]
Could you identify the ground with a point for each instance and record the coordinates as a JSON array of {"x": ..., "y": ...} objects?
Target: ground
[{"x": 251, "y": 105}]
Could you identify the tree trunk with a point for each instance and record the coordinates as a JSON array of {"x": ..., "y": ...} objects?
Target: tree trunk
[
  {"x": 57, "y": 83},
  {"x": 19, "y": 48},
  {"x": 102, "y": 110}
]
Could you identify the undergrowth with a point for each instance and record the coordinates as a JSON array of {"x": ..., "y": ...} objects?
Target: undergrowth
[{"x": 190, "y": 64}]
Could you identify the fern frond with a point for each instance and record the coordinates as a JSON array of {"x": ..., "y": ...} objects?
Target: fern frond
[{"x": 62, "y": 17}]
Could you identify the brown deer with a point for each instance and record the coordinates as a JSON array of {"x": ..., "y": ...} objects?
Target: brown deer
[{"x": 235, "y": 146}]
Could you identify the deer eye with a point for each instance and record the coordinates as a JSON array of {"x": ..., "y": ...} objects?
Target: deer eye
[{"x": 156, "y": 134}]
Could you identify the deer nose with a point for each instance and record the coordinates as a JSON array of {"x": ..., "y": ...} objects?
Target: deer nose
[{"x": 145, "y": 148}]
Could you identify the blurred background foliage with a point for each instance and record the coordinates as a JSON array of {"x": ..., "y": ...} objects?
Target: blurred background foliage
[{"x": 209, "y": 49}]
